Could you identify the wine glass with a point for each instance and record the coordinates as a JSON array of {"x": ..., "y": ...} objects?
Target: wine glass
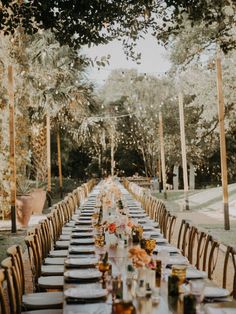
[{"x": 163, "y": 255}]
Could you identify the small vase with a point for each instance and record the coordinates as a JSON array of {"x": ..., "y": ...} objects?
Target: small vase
[{"x": 111, "y": 240}]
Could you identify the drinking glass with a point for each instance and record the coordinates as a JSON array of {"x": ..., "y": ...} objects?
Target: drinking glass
[
  {"x": 180, "y": 272},
  {"x": 164, "y": 257},
  {"x": 197, "y": 290},
  {"x": 99, "y": 240},
  {"x": 150, "y": 245}
]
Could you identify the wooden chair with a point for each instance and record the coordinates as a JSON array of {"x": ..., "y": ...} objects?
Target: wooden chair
[
  {"x": 183, "y": 236},
  {"x": 3, "y": 302},
  {"x": 192, "y": 244},
  {"x": 42, "y": 302},
  {"x": 35, "y": 257},
  {"x": 230, "y": 255},
  {"x": 50, "y": 256},
  {"x": 168, "y": 228},
  {"x": 210, "y": 255}
]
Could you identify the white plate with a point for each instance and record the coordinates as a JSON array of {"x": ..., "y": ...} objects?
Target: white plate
[
  {"x": 83, "y": 293},
  {"x": 138, "y": 215},
  {"x": 81, "y": 261},
  {"x": 83, "y": 273},
  {"x": 83, "y": 229},
  {"x": 84, "y": 222},
  {"x": 82, "y": 249},
  {"x": 82, "y": 235},
  {"x": 82, "y": 241},
  {"x": 161, "y": 240},
  {"x": 147, "y": 228},
  {"x": 169, "y": 249},
  {"x": 177, "y": 260},
  {"x": 195, "y": 274},
  {"x": 152, "y": 234},
  {"x": 215, "y": 292}
]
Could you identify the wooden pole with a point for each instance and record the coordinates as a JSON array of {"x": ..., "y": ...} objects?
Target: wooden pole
[
  {"x": 163, "y": 163},
  {"x": 48, "y": 160},
  {"x": 112, "y": 153},
  {"x": 12, "y": 147},
  {"x": 59, "y": 163},
  {"x": 223, "y": 157},
  {"x": 183, "y": 149}
]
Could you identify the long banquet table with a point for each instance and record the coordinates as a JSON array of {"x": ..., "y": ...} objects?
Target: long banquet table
[{"x": 118, "y": 257}]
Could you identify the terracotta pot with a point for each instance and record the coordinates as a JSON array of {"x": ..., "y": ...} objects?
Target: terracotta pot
[
  {"x": 24, "y": 209},
  {"x": 39, "y": 197}
]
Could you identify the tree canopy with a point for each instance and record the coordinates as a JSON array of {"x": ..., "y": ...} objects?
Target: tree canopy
[{"x": 81, "y": 22}]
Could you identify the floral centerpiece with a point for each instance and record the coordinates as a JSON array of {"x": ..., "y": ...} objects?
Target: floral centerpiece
[
  {"x": 119, "y": 226},
  {"x": 139, "y": 257},
  {"x": 144, "y": 264}
]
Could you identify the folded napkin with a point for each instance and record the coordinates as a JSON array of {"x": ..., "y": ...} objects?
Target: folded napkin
[
  {"x": 70, "y": 300},
  {"x": 80, "y": 280}
]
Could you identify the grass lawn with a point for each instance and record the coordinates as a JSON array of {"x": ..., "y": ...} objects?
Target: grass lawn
[
  {"x": 227, "y": 237},
  {"x": 7, "y": 239}
]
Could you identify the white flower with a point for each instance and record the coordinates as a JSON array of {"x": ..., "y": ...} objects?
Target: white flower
[{"x": 228, "y": 10}]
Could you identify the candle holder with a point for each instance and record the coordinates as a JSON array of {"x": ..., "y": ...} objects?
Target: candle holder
[
  {"x": 104, "y": 266},
  {"x": 137, "y": 233},
  {"x": 148, "y": 245},
  {"x": 99, "y": 240},
  {"x": 180, "y": 272}
]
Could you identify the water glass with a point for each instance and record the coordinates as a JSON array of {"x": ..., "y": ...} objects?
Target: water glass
[
  {"x": 197, "y": 290},
  {"x": 164, "y": 257}
]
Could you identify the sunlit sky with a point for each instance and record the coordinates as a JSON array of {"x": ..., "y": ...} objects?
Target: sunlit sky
[{"x": 154, "y": 59}]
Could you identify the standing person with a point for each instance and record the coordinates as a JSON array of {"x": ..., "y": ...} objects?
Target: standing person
[
  {"x": 170, "y": 180},
  {"x": 160, "y": 185}
]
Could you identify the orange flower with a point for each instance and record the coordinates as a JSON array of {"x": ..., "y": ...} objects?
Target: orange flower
[
  {"x": 139, "y": 256},
  {"x": 112, "y": 228},
  {"x": 130, "y": 224}
]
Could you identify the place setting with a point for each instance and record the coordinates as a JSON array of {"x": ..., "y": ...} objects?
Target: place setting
[
  {"x": 81, "y": 249},
  {"x": 82, "y": 241},
  {"x": 84, "y": 262},
  {"x": 78, "y": 235},
  {"x": 83, "y": 222},
  {"x": 82, "y": 275}
]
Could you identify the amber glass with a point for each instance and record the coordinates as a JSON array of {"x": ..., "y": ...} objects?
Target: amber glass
[
  {"x": 123, "y": 308},
  {"x": 180, "y": 272},
  {"x": 99, "y": 240},
  {"x": 94, "y": 219},
  {"x": 150, "y": 245},
  {"x": 103, "y": 267},
  {"x": 137, "y": 232}
]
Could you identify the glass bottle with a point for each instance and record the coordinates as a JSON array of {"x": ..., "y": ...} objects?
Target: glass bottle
[
  {"x": 173, "y": 285},
  {"x": 141, "y": 290},
  {"x": 189, "y": 304},
  {"x": 129, "y": 275},
  {"x": 158, "y": 273},
  {"x": 148, "y": 290}
]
